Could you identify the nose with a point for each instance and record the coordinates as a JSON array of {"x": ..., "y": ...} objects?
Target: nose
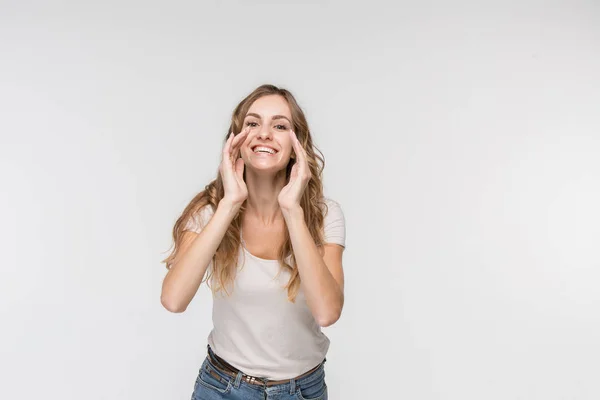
[{"x": 264, "y": 132}]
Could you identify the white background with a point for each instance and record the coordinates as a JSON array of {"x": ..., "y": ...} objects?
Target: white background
[{"x": 462, "y": 140}]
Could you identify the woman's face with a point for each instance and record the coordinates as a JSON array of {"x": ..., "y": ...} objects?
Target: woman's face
[{"x": 268, "y": 146}]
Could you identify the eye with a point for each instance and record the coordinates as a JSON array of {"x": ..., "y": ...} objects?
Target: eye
[
  {"x": 282, "y": 127},
  {"x": 249, "y": 123}
]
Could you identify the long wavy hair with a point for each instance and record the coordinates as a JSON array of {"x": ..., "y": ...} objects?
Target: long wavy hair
[{"x": 312, "y": 202}]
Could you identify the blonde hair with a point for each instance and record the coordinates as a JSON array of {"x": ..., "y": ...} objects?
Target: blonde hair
[{"x": 312, "y": 202}]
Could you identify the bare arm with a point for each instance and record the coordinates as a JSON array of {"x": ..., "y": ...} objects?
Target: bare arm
[
  {"x": 321, "y": 277},
  {"x": 185, "y": 276}
]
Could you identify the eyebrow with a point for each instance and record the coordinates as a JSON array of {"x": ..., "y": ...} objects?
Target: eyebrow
[{"x": 274, "y": 116}]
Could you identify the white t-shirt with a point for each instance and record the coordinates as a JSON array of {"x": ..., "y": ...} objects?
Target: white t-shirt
[{"x": 256, "y": 329}]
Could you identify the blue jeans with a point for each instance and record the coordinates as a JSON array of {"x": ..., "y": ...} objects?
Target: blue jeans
[{"x": 208, "y": 387}]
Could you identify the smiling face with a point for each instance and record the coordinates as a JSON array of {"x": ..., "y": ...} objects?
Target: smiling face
[{"x": 268, "y": 146}]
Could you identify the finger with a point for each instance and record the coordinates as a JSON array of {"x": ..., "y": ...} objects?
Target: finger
[
  {"x": 235, "y": 154},
  {"x": 238, "y": 141},
  {"x": 226, "y": 164},
  {"x": 246, "y": 128},
  {"x": 300, "y": 153},
  {"x": 231, "y": 145},
  {"x": 227, "y": 146},
  {"x": 302, "y": 150},
  {"x": 294, "y": 172},
  {"x": 294, "y": 145},
  {"x": 239, "y": 137},
  {"x": 239, "y": 168}
]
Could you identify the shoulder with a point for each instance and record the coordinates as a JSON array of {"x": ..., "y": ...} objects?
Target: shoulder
[
  {"x": 198, "y": 220},
  {"x": 334, "y": 222},
  {"x": 331, "y": 207},
  {"x": 206, "y": 212}
]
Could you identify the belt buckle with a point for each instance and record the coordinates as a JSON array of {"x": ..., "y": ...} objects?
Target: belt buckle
[{"x": 252, "y": 379}]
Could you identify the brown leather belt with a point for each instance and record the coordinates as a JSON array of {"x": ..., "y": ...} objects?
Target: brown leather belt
[{"x": 231, "y": 371}]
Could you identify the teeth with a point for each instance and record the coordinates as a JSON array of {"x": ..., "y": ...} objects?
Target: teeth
[{"x": 259, "y": 149}]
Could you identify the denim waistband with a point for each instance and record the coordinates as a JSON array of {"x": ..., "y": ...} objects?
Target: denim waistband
[{"x": 314, "y": 375}]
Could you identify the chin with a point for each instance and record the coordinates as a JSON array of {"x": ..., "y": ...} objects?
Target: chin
[
  {"x": 261, "y": 166},
  {"x": 263, "y": 170},
  {"x": 266, "y": 169}
]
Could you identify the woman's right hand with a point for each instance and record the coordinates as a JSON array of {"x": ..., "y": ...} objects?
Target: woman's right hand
[{"x": 232, "y": 169}]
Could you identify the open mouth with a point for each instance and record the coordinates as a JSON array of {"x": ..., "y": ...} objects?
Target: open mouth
[{"x": 264, "y": 150}]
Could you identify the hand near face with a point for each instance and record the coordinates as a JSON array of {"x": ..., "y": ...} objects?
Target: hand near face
[
  {"x": 290, "y": 195},
  {"x": 232, "y": 169}
]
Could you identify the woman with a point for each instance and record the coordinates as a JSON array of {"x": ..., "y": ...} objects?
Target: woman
[{"x": 270, "y": 245}]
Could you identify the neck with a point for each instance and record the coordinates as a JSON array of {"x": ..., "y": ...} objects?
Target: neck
[{"x": 263, "y": 190}]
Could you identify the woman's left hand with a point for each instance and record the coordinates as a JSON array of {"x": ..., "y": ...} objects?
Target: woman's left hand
[{"x": 290, "y": 195}]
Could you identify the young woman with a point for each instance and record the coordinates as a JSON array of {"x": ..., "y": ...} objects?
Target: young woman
[{"x": 270, "y": 245}]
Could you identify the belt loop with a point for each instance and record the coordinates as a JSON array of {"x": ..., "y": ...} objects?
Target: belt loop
[
  {"x": 238, "y": 379},
  {"x": 292, "y": 386}
]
